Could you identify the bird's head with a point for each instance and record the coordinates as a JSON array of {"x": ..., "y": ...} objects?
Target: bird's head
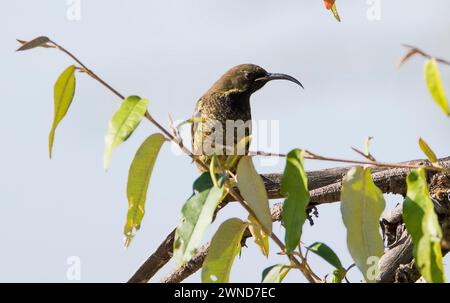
[{"x": 247, "y": 79}]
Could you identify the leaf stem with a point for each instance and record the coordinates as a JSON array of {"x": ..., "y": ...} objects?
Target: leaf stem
[{"x": 426, "y": 55}]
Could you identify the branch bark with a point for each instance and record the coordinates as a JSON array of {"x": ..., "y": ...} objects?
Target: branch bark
[{"x": 325, "y": 186}]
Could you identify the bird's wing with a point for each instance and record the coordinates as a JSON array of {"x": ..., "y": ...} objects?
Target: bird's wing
[{"x": 197, "y": 114}]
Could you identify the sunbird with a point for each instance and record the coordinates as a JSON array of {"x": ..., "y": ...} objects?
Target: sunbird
[{"x": 221, "y": 125}]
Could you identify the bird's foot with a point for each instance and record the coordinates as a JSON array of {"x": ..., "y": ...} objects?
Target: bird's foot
[{"x": 310, "y": 212}]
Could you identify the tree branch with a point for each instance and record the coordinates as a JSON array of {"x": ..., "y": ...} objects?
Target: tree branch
[{"x": 325, "y": 187}]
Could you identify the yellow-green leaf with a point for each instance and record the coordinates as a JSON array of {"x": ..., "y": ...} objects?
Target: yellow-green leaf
[
  {"x": 138, "y": 179},
  {"x": 275, "y": 274},
  {"x": 37, "y": 42},
  {"x": 434, "y": 84},
  {"x": 338, "y": 275},
  {"x": 335, "y": 12},
  {"x": 64, "y": 91},
  {"x": 294, "y": 186},
  {"x": 197, "y": 214},
  {"x": 422, "y": 224},
  {"x": 427, "y": 151},
  {"x": 252, "y": 189},
  {"x": 259, "y": 236},
  {"x": 362, "y": 203},
  {"x": 225, "y": 245},
  {"x": 123, "y": 124}
]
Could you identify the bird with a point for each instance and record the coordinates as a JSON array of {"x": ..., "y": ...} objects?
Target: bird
[{"x": 221, "y": 123}]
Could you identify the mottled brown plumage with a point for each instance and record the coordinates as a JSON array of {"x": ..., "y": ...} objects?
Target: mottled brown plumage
[{"x": 228, "y": 100}]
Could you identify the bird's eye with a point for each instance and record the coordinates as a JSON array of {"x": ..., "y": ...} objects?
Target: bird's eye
[
  {"x": 247, "y": 75},
  {"x": 448, "y": 196}
]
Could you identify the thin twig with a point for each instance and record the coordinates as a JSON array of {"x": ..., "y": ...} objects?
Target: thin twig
[
  {"x": 311, "y": 156},
  {"x": 415, "y": 50}
]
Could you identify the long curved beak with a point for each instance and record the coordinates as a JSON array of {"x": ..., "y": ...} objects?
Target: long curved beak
[{"x": 274, "y": 76}]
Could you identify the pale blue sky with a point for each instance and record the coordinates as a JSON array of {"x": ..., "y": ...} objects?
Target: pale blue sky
[{"x": 172, "y": 51}]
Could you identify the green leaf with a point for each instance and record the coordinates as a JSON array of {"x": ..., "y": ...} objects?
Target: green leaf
[
  {"x": 335, "y": 12},
  {"x": 64, "y": 91},
  {"x": 275, "y": 274},
  {"x": 259, "y": 236},
  {"x": 294, "y": 186},
  {"x": 197, "y": 214},
  {"x": 123, "y": 124},
  {"x": 225, "y": 245},
  {"x": 138, "y": 179},
  {"x": 422, "y": 224},
  {"x": 324, "y": 251},
  {"x": 362, "y": 203},
  {"x": 37, "y": 42},
  {"x": 427, "y": 151},
  {"x": 252, "y": 189},
  {"x": 434, "y": 84},
  {"x": 338, "y": 275}
]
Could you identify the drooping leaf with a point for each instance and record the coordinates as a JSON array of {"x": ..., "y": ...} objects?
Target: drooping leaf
[
  {"x": 275, "y": 274},
  {"x": 259, "y": 236},
  {"x": 427, "y": 151},
  {"x": 324, "y": 251},
  {"x": 335, "y": 12},
  {"x": 434, "y": 84},
  {"x": 37, "y": 42},
  {"x": 254, "y": 192},
  {"x": 422, "y": 224},
  {"x": 294, "y": 186},
  {"x": 64, "y": 91},
  {"x": 197, "y": 214},
  {"x": 123, "y": 124},
  {"x": 225, "y": 245},
  {"x": 138, "y": 179},
  {"x": 362, "y": 203}
]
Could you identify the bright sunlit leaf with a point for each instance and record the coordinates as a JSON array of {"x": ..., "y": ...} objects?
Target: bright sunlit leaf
[
  {"x": 63, "y": 94},
  {"x": 434, "y": 84},
  {"x": 138, "y": 180},
  {"x": 275, "y": 274},
  {"x": 422, "y": 224},
  {"x": 259, "y": 236},
  {"x": 123, "y": 124},
  {"x": 338, "y": 275},
  {"x": 362, "y": 203},
  {"x": 252, "y": 189},
  {"x": 427, "y": 151},
  {"x": 225, "y": 246},
  {"x": 335, "y": 13}
]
